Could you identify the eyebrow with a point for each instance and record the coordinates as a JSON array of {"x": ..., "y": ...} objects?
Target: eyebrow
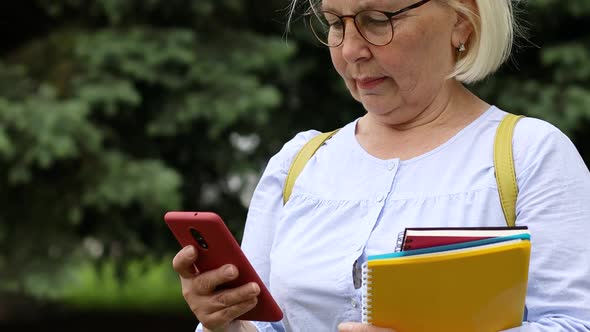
[
  {"x": 367, "y": 4},
  {"x": 364, "y": 5}
]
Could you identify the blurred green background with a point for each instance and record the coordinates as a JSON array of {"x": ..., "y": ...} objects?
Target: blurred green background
[{"x": 113, "y": 112}]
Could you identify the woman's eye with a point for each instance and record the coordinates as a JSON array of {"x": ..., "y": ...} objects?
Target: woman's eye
[
  {"x": 373, "y": 20},
  {"x": 377, "y": 22},
  {"x": 335, "y": 24}
]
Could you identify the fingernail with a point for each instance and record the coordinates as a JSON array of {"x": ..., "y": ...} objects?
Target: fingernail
[
  {"x": 229, "y": 271},
  {"x": 255, "y": 288},
  {"x": 190, "y": 252},
  {"x": 344, "y": 327}
]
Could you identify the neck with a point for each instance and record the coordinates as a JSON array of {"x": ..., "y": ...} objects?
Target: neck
[
  {"x": 429, "y": 127},
  {"x": 452, "y": 104}
]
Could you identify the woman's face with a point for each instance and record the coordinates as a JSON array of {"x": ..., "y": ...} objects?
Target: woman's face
[{"x": 401, "y": 79}]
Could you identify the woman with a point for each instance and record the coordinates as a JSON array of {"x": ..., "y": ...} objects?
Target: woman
[{"x": 420, "y": 156}]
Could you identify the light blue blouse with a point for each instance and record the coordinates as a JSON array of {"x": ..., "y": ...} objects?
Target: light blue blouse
[{"x": 347, "y": 204}]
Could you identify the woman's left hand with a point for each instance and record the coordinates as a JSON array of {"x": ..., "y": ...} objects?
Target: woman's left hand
[{"x": 359, "y": 327}]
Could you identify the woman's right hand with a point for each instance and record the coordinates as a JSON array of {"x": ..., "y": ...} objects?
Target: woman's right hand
[{"x": 215, "y": 309}]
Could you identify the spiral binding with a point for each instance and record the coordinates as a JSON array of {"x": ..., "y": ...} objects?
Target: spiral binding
[
  {"x": 366, "y": 300},
  {"x": 400, "y": 241}
]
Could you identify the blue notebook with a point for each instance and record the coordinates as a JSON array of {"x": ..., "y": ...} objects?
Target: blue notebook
[{"x": 462, "y": 245}]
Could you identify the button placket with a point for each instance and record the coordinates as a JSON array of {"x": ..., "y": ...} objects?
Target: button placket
[{"x": 392, "y": 167}]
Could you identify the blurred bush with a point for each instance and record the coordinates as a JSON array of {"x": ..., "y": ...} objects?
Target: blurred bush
[{"x": 113, "y": 112}]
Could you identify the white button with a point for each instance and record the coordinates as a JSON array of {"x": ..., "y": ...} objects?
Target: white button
[
  {"x": 380, "y": 199},
  {"x": 353, "y": 302},
  {"x": 391, "y": 165}
]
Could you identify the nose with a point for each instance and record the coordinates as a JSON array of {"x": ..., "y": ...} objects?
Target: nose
[{"x": 354, "y": 46}]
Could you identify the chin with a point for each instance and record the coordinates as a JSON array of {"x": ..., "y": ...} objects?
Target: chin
[
  {"x": 389, "y": 113},
  {"x": 376, "y": 107}
]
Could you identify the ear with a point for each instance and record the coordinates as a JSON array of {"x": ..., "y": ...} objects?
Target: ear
[{"x": 463, "y": 27}]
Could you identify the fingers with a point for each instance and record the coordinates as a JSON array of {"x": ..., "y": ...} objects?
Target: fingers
[
  {"x": 360, "y": 327},
  {"x": 183, "y": 262},
  {"x": 213, "y": 307},
  {"x": 225, "y": 306},
  {"x": 207, "y": 282},
  {"x": 231, "y": 297},
  {"x": 228, "y": 314}
]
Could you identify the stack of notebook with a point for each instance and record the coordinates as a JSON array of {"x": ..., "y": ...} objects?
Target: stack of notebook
[{"x": 449, "y": 279}]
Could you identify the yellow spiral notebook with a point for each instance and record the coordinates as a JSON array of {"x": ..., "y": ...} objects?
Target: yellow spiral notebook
[{"x": 479, "y": 286}]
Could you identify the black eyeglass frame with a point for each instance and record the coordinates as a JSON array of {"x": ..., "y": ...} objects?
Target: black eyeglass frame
[{"x": 389, "y": 15}]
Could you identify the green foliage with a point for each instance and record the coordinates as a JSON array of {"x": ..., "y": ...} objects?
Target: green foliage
[
  {"x": 576, "y": 8},
  {"x": 40, "y": 131},
  {"x": 119, "y": 110},
  {"x": 120, "y": 113},
  {"x": 551, "y": 74},
  {"x": 145, "y": 285}
]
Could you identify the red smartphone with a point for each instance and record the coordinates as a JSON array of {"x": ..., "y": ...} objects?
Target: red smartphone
[{"x": 216, "y": 247}]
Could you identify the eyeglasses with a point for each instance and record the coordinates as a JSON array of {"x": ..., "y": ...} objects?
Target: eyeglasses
[{"x": 374, "y": 25}]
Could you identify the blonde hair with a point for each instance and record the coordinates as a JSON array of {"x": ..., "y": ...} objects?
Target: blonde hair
[
  {"x": 491, "y": 41},
  {"x": 489, "y": 45}
]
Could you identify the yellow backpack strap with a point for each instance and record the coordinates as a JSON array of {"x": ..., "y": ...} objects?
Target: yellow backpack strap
[
  {"x": 504, "y": 167},
  {"x": 302, "y": 157}
]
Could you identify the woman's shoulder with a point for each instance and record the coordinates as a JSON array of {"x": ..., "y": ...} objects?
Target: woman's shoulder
[
  {"x": 292, "y": 146},
  {"x": 533, "y": 134},
  {"x": 530, "y": 132},
  {"x": 535, "y": 128},
  {"x": 287, "y": 153},
  {"x": 525, "y": 126},
  {"x": 538, "y": 142},
  {"x": 281, "y": 161},
  {"x": 271, "y": 183}
]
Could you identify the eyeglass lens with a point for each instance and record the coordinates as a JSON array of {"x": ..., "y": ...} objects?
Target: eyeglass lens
[{"x": 374, "y": 26}]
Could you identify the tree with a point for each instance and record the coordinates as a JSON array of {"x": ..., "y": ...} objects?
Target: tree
[
  {"x": 113, "y": 112},
  {"x": 124, "y": 110},
  {"x": 550, "y": 74}
]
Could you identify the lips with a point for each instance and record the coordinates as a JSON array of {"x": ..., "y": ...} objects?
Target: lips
[{"x": 369, "y": 82}]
